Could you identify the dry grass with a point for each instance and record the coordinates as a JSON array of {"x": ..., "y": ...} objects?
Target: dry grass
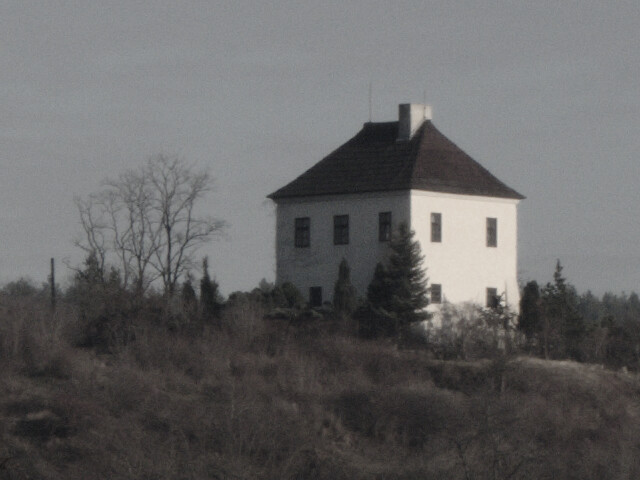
[{"x": 266, "y": 401}]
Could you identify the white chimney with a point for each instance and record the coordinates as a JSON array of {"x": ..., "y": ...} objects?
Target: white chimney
[{"x": 410, "y": 117}]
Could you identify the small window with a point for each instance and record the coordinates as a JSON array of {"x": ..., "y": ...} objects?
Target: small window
[
  {"x": 492, "y": 232},
  {"x": 436, "y": 227},
  {"x": 341, "y": 230},
  {"x": 436, "y": 293},
  {"x": 315, "y": 296},
  {"x": 384, "y": 226},
  {"x": 492, "y": 298},
  {"x": 303, "y": 232}
]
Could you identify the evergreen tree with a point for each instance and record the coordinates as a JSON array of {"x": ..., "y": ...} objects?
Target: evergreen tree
[
  {"x": 380, "y": 289},
  {"x": 564, "y": 327},
  {"x": 590, "y": 308},
  {"x": 93, "y": 273},
  {"x": 188, "y": 295},
  {"x": 397, "y": 294},
  {"x": 344, "y": 293},
  {"x": 408, "y": 298},
  {"x": 530, "y": 321},
  {"x": 209, "y": 301}
]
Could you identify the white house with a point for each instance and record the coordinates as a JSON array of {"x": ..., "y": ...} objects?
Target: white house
[{"x": 347, "y": 204}]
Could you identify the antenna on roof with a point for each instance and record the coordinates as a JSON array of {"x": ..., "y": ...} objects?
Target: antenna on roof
[
  {"x": 370, "y": 95},
  {"x": 424, "y": 96}
]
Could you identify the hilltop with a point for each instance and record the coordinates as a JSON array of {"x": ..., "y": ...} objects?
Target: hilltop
[{"x": 274, "y": 401}]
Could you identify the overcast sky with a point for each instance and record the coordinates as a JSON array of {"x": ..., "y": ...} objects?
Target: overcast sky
[{"x": 546, "y": 95}]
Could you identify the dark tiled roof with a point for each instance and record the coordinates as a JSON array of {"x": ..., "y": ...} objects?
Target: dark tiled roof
[{"x": 374, "y": 161}]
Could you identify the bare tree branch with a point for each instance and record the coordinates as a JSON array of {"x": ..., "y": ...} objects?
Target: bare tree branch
[
  {"x": 146, "y": 220},
  {"x": 178, "y": 188}
]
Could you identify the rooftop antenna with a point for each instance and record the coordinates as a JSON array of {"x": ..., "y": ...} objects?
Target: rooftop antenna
[
  {"x": 370, "y": 95},
  {"x": 424, "y": 96}
]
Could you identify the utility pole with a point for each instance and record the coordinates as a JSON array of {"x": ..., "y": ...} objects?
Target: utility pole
[
  {"x": 370, "y": 100},
  {"x": 53, "y": 284}
]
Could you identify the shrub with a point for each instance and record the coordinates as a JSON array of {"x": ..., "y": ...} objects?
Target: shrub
[
  {"x": 356, "y": 411},
  {"x": 106, "y": 309},
  {"x": 290, "y": 294},
  {"x": 472, "y": 332},
  {"x": 23, "y": 287},
  {"x": 210, "y": 299},
  {"x": 243, "y": 319},
  {"x": 344, "y": 295},
  {"x": 37, "y": 338}
]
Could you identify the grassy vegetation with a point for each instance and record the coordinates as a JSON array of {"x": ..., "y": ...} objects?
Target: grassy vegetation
[{"x": 268, "y": 400}]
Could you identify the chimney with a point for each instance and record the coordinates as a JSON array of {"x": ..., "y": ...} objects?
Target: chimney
[{"x": 411, "y": 116}]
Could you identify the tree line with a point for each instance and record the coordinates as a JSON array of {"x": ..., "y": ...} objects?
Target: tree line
[
  {"x": 557, "y": 322},
  {"x": 141, "y": 232}
]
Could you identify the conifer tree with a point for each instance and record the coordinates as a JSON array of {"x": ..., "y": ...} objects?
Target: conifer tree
[
  {"x": 407, "y": 277},
  {"x": 530, "y": 321},
  {"x": 380, "y": 289},
  {"x": 562, "y": 319},
  {"x": 209, "y": 304},
  {"x": 93, "y": 273},
  {"x": 397, "y": 294},
  {"x": 344, "y": 293},
  {"x": 188, "y": 294}
]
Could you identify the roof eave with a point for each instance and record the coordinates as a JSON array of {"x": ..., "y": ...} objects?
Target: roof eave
[{"x": 275, "y": 196}]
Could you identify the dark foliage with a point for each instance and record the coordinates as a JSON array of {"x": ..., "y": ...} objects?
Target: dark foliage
[
  {"x": 345, "y": 298},
  {"x": 290, "y": 294},
  {"x": 397, "y": 294},
  {"x": 530, "y": 320},
  {"x": 408, "y": 296},
  {"x": 22, "y": 287},
  {"x": 564, "y": 328},
  {"x": 210, "y": 303},
  {"x": 106, "y": 308},
  {"x": 559, "y": 323},
  {"x": 189, "y": 298},
  {"x": 279, "y": 399}
]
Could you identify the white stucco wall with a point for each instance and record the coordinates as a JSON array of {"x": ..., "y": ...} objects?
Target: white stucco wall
[
  {"x": 462, "y": 263},
  {"x": 317, "y": 265}
]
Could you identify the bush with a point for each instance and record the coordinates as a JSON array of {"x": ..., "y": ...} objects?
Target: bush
[
  {"x": 37, "y": 338},
  {"x": 277, "y": 399},
  {"x": 243, "y": 318},
  {"x": 472, "y": 332},
  {"x": 22, "y": 287},
  {"x": 344, "y": 295},
  {"x": 406, "y": 417},
  {"x": 290, "y": 294}
]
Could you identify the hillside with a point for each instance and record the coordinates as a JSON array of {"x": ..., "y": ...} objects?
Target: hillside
[{"x": 270, "y": 401}]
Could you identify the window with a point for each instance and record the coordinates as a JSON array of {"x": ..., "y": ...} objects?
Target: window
[
  {"x": 436, "y": 227},
  {"x": 384, "y": 226},
  {"x": 436, "y": 293},
  {"x": 341, "y": 230},
  {"x": 492, "y": 298},
  {"x": 315, "y": 296},
  {"x": 303, "y": 231},
  {"x": 492, "y": 232}
]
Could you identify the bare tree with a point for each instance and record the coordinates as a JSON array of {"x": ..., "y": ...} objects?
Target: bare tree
[
  {"x": 94, "y": 243},
  {"x": 145, "y": 221},
  {"x": 177, "y": 190},
  {"x": 134, "y": 232}
]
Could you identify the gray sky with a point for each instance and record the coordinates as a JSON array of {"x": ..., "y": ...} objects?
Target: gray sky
[{"x": 543, "y": 94}]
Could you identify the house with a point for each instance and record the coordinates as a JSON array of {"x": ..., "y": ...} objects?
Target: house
[{"x": 347, "y": 205}]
